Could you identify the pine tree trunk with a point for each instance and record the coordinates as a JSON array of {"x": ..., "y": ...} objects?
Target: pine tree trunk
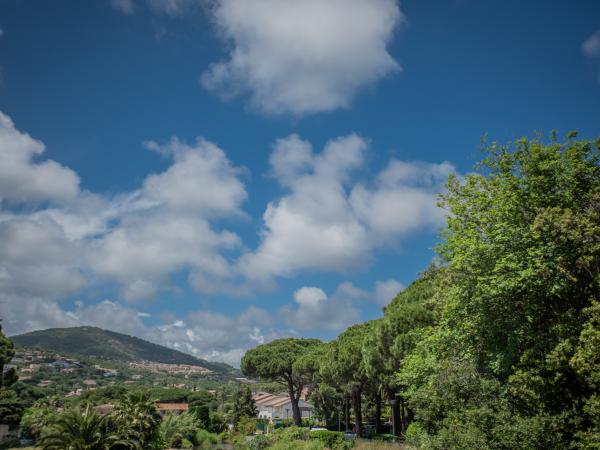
[
  {"x": 347, "y": 413},
  {"x": 378, "y": 411},
  {"x": 396, "y": 415},
  {"x": 356, "y": 400},
  {"x": 295, "y": 408}
]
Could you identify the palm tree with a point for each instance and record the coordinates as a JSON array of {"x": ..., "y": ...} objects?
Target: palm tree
[
  {"x": 84, "y": 430},
  {"x": 138, "y": 414}
]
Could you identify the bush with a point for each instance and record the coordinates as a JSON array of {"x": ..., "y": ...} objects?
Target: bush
[
  {"x": 292, "y": 433},
  {"x": 205, "y": 439},
  {"x": 332, "y": 439},
  {"x": 260, "y": 442},
  {"x": 246, "y": 425}
]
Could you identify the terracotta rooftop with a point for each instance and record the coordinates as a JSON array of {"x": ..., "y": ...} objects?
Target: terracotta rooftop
[{"x": 172, "y": 406}]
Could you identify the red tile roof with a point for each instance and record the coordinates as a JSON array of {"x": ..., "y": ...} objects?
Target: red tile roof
[{"x": 172, "y": 406}]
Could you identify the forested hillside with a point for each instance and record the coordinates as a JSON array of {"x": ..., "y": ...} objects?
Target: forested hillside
[{"x": 92, "y": 341}]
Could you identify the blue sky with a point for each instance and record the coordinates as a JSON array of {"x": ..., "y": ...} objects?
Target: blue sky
[{"x": 325, "y": 133}]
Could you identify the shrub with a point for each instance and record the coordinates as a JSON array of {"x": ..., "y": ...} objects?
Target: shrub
[
  {"x": 260, "y": 442},
  {"x": 205, "y": 439},
  {"x": 246, "y": 425},
  {"x": 292, "y": 433},
  {"x": 332, "y": 439}
]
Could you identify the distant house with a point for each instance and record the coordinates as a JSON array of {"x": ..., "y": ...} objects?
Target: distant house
[
  {"x": 272, "y": 406},
  {"x": 89, "y": 382},
  {"x": 171, "y": 408}
]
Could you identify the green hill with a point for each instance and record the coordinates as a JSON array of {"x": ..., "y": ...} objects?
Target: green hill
[{"x": 99, "y": 343}]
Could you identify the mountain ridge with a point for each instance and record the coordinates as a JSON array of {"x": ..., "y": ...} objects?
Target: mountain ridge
[{"x": 96, "y": 342}]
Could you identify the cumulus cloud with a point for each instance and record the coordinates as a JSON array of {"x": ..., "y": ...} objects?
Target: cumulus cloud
[
  {"x": 218, "y": 337},
  {"x": 402, "y": 200},
  {"x": 312, "y": 227},
  {"x": 314, "y": 309},
  {"x": 302, "y": 57},
  {"x": 137, "y": 238},
  {"x": 173, "y": 231},
  {"x": 328, "y": 223},
  {"x": 22, "y": 179}
]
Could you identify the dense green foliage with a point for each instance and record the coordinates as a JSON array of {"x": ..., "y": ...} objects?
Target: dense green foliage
[
  {"x": 92, "y": 341},
  {"x": 244, "y": 405},
  {"x": 513, "y": 360},
  {"x": 85, "y": 430}
]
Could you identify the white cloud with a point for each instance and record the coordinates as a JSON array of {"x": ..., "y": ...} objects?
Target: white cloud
[
  {"x": 315, "y": 310},
  {"x": 312, "y": 227},
  {"x": 174, "y": 232},
  {"x": 201, "y": 180},
  {"x": 302, "y": 57},
  {"x": 328, "y": 223},
  {"x": 37, "y": 259},
  {"x": 591, "y": 46},
  {"x": 403, "y": 199},
  {"x": 218, "y": 337},
  {"x": 385, "y": 291},
  {"x": 24, "y": 180},
  {"x": 138, "y": 238}
]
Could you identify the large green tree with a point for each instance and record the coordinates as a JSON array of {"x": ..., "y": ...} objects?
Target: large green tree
[
  {"x": 243, "y": 405},
  {"x": 513, "y": 362},
  {"x": 326, "y": 398},
  {"x": 395, "y": 335},
  {"x": 345, "y": 366},
  {"x": 275, "y": 361}
]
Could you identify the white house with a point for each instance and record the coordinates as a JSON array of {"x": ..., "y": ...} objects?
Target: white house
[{"x": 272, "y": 406}]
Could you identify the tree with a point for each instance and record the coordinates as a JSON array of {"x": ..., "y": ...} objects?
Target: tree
[
  {"x": 34, "y": 420},
  {"x": 7, "y": 351},
  {"x": 138, "y": 413},
  {"x": 395, "y": 335},
  {"x": 11, "y": 407},
  {"x": 512, "y": 362},
  {"x": 327, "y": 399},
  {"x": 275, "y": 361},
  {"x": 345, "y": 366},
  {"x": 244, "y": 405},
  {"x": 83, "y": 429},
  {"x": 10, "y": 377}
]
